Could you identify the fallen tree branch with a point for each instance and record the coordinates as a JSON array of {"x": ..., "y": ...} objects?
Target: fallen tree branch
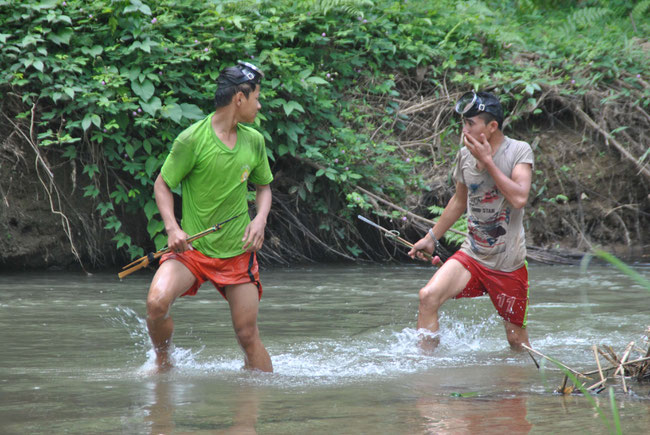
[{"x": 621, "y": 149}]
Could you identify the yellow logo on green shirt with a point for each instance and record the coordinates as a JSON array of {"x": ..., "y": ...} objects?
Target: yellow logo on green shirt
[{"x": 246, "y": 170}]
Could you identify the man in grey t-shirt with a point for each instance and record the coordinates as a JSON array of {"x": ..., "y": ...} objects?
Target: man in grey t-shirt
[{"x": 493, "y": 175}]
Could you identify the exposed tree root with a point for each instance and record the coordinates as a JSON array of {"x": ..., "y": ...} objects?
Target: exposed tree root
[{"x": 49, "y": 184}]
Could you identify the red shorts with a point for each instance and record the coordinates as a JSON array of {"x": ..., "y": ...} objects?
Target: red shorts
[
  {"x": 508, "y": 290},
  {"x": 220, "y": 272}
]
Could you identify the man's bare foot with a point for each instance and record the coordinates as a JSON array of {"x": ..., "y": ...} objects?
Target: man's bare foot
[
  {"x": 429, "y": 342},
  {"x": 163, "y": 364}
]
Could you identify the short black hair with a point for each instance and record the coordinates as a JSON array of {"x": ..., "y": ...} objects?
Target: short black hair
[
  {"x": 223, "y": 95},
  {"x": 487, "y": 117}
]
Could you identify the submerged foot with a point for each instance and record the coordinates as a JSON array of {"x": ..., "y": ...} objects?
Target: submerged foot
[
  {"x": 429, "y": 342},
  {"x": 163, "y": 365}
]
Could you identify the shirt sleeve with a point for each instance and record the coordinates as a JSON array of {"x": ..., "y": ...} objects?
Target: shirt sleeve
[
  {"x": 179, "y": 163},
  {"x": 525, "y": 154},
  {"x": 261, "y": 173}
]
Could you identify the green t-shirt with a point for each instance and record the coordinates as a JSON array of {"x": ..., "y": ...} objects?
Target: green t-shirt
[{"x": 213, "y": 182}]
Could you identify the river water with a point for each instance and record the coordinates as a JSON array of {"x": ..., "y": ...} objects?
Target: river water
[{"x": 75, "y": 356}]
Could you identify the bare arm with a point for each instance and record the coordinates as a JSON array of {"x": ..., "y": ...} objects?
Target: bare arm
[
  {"x": 452, "y": 212},
  {"x": 176, "y": 237},
  {"x": 516, "y": 188},
  {"x": 254, "y": 233}
]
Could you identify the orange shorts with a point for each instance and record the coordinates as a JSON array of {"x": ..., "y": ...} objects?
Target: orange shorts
[
  {"x": 220, "y": 272},
  {"x": 508, "y": 290}
]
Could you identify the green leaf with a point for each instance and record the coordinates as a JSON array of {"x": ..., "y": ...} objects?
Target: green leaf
[
  {"x": 152, "y": 106},
  {"x": 155, "y": 226},
  {"x": 38, "y": 64},
  {"x": 470, "y": 394},
  {"x": 317, "y": 80},
  {"x": 151, "y": 165},
  {"x": 144, "y": 90},
  {"x": 192, "y": 111},
  {"x": 62, "y": 19},
  {"x": 91, "y": 170},
  {"x": 95, "y": 50},
  {"x": 61, "y": 37},
  {"x": 172, "y": 111},
  {"x": 70, "y": 152},
  {"x": 28, "y": 40},
  {"x": 150, "y": 209},
  {"x": 132, "y": 73},
  {"x": 91, "y": 190},
  {"x": 85, "y": 124},
  {"x": 96, "y": 120},
  {"x": 160, "y": 241},
  {"x": 105, "y": 207},
  {"x": 122, "y": 239},
  {"x": 236, "y": 20},
  {"x": 290, "y": 106}
]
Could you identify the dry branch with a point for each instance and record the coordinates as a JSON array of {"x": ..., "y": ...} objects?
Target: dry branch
[{"x": 636, "y": 368}]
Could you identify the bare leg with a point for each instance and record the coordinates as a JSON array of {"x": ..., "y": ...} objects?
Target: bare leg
[
  {"x": 171, "y": 280},
  {"x": 446, "y": 283},
  {"x": 516, "y": 336},
  {"x": 244, "y": 303}
]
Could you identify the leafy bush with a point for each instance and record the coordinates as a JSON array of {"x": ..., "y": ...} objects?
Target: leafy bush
[{"x": 109, "y": 84}]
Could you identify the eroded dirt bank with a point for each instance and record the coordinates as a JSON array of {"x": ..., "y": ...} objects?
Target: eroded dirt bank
[{"x": 583, "y": 196}]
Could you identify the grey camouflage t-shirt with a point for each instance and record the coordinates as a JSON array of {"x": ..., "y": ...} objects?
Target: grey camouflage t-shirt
[{"x": 496, "y": 232}]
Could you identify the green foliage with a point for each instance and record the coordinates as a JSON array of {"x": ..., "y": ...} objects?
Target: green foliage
[
  {"x": 460, "y": 225},
  {"x": 113, "y": 82}
]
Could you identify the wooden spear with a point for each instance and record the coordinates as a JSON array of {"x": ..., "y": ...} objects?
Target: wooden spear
[
  {"x": 150, "y": 257},
  {"x": 394, "y": 235}
]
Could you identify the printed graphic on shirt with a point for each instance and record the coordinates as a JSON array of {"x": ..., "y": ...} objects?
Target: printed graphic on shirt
[
  {"x": 483, "y": 204},
  {"x": 473, "y": 187},
  {"x": 245, "y": 172},
  {"x": 485, "y": 235}
]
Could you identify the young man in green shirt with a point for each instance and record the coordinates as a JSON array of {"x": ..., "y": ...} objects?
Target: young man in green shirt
[{"x": 213, "y": 160}]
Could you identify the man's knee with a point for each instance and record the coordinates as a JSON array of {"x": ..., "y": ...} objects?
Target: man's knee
[
  {"x": 157, "y": 306},
  {"x": 247, "y": 335},
  {"x": 430, "y": 297}
]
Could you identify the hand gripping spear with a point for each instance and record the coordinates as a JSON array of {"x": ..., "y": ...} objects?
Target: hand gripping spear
[
  {"x": 150, "y": 257},
  {"x": 394, "y": 236}
]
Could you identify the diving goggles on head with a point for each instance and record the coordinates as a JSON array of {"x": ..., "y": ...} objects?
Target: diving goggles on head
[
  {"x": 250, "y": 73},
  {"x": 470, "y": 104}
]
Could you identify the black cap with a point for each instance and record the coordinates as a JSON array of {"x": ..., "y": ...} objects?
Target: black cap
[
  {"x": 473, "y": 103},
  {"x": 243, "y": 72}
]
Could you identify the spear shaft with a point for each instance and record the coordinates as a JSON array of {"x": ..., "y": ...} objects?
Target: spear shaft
[
  {"x": 394, "y": 235},
  {"x": 150, "y": 257}
]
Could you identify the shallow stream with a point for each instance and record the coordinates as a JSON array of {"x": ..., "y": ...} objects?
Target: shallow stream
[{"x": 75, "y": 356}]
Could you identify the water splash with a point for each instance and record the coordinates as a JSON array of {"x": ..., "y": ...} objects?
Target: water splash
[
  {"x": 135, "y": 326},
  {"x": 378, "y": 354}
]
